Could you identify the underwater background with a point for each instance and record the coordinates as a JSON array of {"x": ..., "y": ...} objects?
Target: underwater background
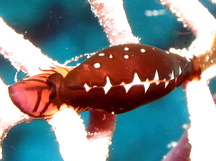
[{"x": 67, "y": 28}]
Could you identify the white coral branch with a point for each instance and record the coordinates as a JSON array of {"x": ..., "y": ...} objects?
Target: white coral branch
[
  {"x": 201, "y": 22},
  {"x": 201, "y": 133},
  {"x": 202, "y": 111},
  {"x": 112, "y": 17},
  {"x": 22, "y": 54},
  {"x": 70, "y": 130},
  {"x": 194, "y": 15},
  {"x": 72, "y": 137}
]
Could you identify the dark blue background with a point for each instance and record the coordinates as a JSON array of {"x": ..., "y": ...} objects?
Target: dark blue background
[{"x": 66, "y": 28}]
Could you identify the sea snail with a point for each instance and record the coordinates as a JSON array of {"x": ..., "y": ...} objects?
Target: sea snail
[{"x": 117, "y": 79}]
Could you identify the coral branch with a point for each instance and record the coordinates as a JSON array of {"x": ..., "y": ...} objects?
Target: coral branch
[
  {"x": 22, "y": 54},
  {"x": 201, "y": 133},
  {"x": 202, "y": 115},
  {"x": 101, "y": 127},
  {"x": 72, "y": 138},
  {"x": 181, "y": 151},
  {"x": 201, "y": 22},
  {"x": 213, "y": 1},
  {"x": 194, "y": 15},
  {"x": 71, "y": 135},
  {"x": 113, "y": 18},
  {"x": 101, "y": 124}
]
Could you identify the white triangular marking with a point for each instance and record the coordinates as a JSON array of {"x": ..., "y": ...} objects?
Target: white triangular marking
[
  {"x": 108, "y": 85},
  {"x": 146, "y": 85},
  {"x": 87, "y": 88},
  {"x": 136, "y": 81},
  {"x": 156, "y": 78},
  {"x": 127, "y": 86},
  {"x": 166, "y": 84},
  {"x": 172, "y": 75},
  {"x": 180, "y": 71}
]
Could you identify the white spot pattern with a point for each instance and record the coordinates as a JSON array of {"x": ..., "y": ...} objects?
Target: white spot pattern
[
  {"x": 101, "y": 54},
  {"x": 126, "y": 48},
  {"x": 97, "y": 65},
  {"x": 142, "y": 50},
  {"x": 126, "y": 56}
]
